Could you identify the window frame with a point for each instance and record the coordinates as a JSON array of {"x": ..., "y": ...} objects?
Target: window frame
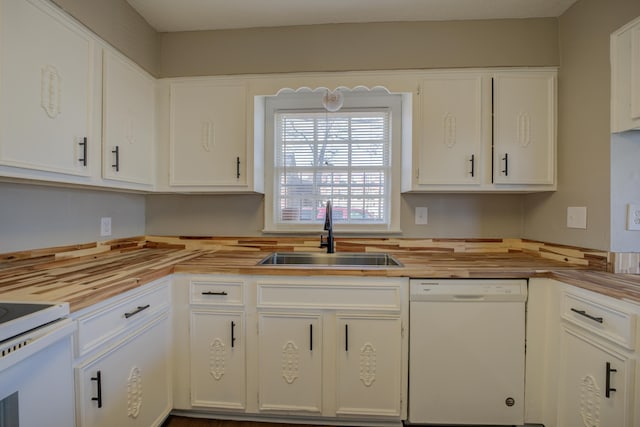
[{"x": 354, "y": 100}]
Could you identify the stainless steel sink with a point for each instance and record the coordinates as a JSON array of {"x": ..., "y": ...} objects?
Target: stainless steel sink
[{"x": 341, "y": 259}]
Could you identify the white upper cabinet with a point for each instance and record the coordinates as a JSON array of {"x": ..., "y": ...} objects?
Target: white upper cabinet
[
  {"x": 46, "y": 82},
  {"x": 451, "y": 148},
  {"x": 208, "y": 135},
  {"x": 625, "y": 77},
  {"x": 128, "y": 117},
  {"x": 479, "y": 130},
  {"x": 524, "y": 128}
]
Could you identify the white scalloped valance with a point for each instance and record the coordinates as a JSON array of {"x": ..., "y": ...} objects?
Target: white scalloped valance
[{"x": 322, "y": 89}]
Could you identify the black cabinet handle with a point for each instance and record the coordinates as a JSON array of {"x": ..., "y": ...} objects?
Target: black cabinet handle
[
  {"x": 607, "y": 388},
  {"x": 346, "y": 337},
  {"x": 505, "y": 171},
  {"x": 136, "y": 311},
  {"x": 214, "y": 293},
  {"x": 587, "y": 315},
  {"x": 116, "y": 153},
  {"x": 83, "y": 144},
  {"x": 233, "y": 333},
  {"x": 98, "y": 380},
  {"x": 310, "y": 337},
  {"x": 238, "y": 167},
  {"x": 473, "y": 165}
]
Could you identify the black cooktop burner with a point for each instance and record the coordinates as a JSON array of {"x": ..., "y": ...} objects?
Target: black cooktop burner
[{"x": 13, "y": 310}]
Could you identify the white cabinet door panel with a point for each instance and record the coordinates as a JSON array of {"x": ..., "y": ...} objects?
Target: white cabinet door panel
[
  {"x": 45, "y": 89},
  {"x": 218, "y": 359},
  {"x": 584, "y": 379},
  {"x": 208, "y": 134},
  {"x": 369, "y": 370},
  {"x": 524, "y": 128},
  {"x": 450, "y": 151},
  {"x": 290, "y": 348},
  {"x": 128, "y": 121}
]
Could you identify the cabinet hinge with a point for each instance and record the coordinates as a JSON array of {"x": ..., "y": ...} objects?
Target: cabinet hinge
[
  {"x": 417, "y": 173},
  {"x": 418, "y": 91},
  {"x": 402, "y": 330}
]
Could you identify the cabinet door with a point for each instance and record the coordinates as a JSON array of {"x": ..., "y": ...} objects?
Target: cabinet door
[
  {"x": 524, "y": 128},
  {"x": 208, "y": 134},
  {"x": 635, "y": 73},
  {"x": 218, "y": 359},
  {"x": 45, "y": 81},
  {"x": 587, "y": 371},
  {"x": 128, "y": 121},
  {"x": 128, "y": 385},
  {"x": 451, "y": 130},
  {"x": 369, "y": 366},
  {"x": 290, "y": 366}
]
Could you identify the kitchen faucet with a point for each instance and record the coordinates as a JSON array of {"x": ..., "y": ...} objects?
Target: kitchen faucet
[{"x": 328, "y": 226}]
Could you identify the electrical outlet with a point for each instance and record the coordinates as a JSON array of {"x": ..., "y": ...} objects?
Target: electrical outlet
[
  {"x": 577, "y": 217},
  {"x": 633, "y": 217},
  {"x": 422, "y": 216},
  {"x": 105, "y": 226}
]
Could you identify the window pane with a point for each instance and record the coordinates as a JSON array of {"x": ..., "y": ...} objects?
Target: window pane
[{"x": 343, "y": 157}]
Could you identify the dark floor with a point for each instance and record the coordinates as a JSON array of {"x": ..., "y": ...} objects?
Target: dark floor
[{"x": 174, "y": 421}]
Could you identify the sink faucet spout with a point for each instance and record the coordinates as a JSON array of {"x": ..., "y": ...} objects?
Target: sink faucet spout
[{"x": 328, "y": 226}]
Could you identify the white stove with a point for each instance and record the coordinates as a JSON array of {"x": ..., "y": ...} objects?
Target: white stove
[{"x": 17, "y": 318}]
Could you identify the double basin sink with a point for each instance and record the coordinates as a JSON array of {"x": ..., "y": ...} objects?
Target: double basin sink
[{"x": 341, "y": 260}]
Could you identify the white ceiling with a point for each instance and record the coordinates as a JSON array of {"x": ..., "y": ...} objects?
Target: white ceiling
[{"x": 191, "y": 15}]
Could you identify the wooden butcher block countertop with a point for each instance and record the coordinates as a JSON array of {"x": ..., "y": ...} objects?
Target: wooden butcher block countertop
[{"x": 85, "y": 280}]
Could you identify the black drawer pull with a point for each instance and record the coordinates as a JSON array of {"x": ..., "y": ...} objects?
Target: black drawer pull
[
  {"x": 233, "y": 334},
  {"x": 311, "y": 337},
  {"x": 83, "y": 160},
  {"x": 473, "y": 165},
  {"x": 214, "y": 293},
  {"x": 116, "y": 153},
  {"x": 98, "y": 380},
  {"x": 607, "y": 388},
  {"x": 587, "y": 315},
  {"x": 346, "y": 337},
  {"x": 505, "y": 171},
  {"x": 136, "y": 311}
]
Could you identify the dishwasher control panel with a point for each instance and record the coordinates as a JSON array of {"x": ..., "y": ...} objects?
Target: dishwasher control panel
[{"x": 468, "y": 290}]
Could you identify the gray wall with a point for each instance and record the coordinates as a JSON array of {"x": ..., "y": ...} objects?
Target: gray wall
[
  {"x": 625, "y": 188},
  {"x": 584, "y": 136},
  {"x": 119, "y": 24},
  {"x": 33, "y": 216},
  {"x": 373, "y": 46},
  {"x": 450, "y": 215}
]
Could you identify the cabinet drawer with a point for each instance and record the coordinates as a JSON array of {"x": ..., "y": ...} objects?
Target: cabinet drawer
[
  {"x": 329, "y": 296},
  {"x": 600, "y": 317},
  {"x": 216, "y": 292},
  {"x": 97, "y": 327}
]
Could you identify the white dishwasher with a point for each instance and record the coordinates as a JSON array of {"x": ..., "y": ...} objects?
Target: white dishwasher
[{"x": 466, "y": 351}]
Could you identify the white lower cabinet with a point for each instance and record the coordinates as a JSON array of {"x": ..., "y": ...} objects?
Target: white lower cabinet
[
  {"x": 217, "y": 350},
  {"x": 597, "y": 343},
  {"x": 128, "y": 385},
  {"x": 290, "y": 362},
  {"x": 369, "y": 365},
  {"x": 595, "y": 384},
  {"x": 123, "y": 364},
  {"x": 291, "y": 348}
]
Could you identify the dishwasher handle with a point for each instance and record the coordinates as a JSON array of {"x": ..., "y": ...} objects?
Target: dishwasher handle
[{"x": 468, "y": 297}]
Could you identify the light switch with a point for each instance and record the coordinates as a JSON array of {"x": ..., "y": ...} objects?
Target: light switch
[
  {"x": 577, "y": 217},
  {"x": 422, "y": 216}
]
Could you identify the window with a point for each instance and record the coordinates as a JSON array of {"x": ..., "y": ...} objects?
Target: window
[{"x": 346, "y": 156}]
